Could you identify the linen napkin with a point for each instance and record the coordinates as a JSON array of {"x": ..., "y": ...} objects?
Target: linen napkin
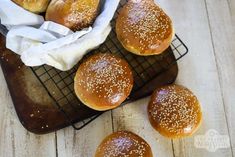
[{"x": 44, "y": 42}]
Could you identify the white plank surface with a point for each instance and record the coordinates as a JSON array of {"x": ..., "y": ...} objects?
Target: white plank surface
[
  {"x": 232, "y": 9},
  {"x": 133, "y": 117},
  {"x": 15, "y": 141},
  {"x": 198, "y": 71},
  {"x": 208, "y": 29},
  {"x": 83, "y": 143},
  {"x": 223, "y": 37}
]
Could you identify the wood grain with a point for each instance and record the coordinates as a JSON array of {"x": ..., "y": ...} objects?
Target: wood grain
[
  {"x": 133, "y": 117},
  {"x": 198, "y": 71},
  {"x": 232, "y": 9},
  {"x": 223, "y": 39},
  {"x": 15, "y": 141},
  {"x": 83, "y": 143}
]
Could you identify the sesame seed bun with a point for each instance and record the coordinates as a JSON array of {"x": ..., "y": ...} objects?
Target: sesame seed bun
[
  {"x": 103, "y": 81},
  {"x": 143, "y": 28},
  {"x": 74, "y": 14},
  {"x": 35, "y": 6},
  {"x": 123, "y": 144},
  {"x": 174, "y": 111}
]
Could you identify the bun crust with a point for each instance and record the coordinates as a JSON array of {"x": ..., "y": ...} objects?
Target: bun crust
[
  {"x": 103, "y": 81},
  {"x": 174, "y": 111},
  {"x": 144, "y": 28},
  {"x": 123, "y": 144},
  {"x": 74, "y": 14},
  {"x": 35, "y": 6}
]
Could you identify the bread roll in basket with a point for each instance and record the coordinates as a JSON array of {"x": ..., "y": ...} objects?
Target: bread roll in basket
[{"x": 41, "y": 42}]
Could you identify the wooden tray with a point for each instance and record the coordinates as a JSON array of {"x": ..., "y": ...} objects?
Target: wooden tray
[{"x": 37, "y": 111}]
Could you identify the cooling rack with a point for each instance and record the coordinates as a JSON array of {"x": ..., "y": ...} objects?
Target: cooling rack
[{"x": 60, "y": 85}]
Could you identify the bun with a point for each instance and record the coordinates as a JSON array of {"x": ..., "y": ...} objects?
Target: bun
[
  {"x": 74, "y": 14},
  {"x": 123, "y": 143},
  {"x": 143, "y": 28},
  {"x": 35, "y": 6},
  {"x": 103, "y": 81},
  {"x": 174, "y": 111}
]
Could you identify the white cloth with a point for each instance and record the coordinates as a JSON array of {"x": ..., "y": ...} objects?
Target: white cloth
[
  {"x": 43, "y": 42},
  {"x": 13, "y": 15}
]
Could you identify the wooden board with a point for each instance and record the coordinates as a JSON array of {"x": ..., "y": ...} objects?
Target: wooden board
[
  {"x": 37, "y": 110},
  {"x": 223, "y": 39},
  {"x": 199, "y": 72},
  {"x": 16, "y": 141}
]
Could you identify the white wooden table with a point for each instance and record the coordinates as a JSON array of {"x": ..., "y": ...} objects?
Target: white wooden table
[{"x": 208, "y": 29}]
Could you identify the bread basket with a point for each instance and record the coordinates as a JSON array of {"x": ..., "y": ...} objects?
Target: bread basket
[{"x": 40, "y": 42}]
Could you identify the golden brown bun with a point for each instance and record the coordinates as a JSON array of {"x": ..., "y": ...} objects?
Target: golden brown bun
[
  {"x": 122, "y": 144},
  {"x": 74, "y": 14},
  {"x": 143, "y": 28},
  {"x": 103, "y": 81},
  {"x": 35, "y": 6},
  {"x": 174, "y": 111}
]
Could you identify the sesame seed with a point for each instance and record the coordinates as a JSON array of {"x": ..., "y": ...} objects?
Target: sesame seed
[
  {"x": 104, "y": 77},
  {"x": 145, "y": 23},
  {"x": 80, "y": 10},
  {"x": 124, "y": 144},
  {"x": 174, "y": 108}
]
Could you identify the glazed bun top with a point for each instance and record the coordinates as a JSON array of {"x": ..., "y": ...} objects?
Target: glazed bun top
[
  {"x": 74, "y": 14},
  {"x": 35, "y": 6},
  {"x": 123, "y": 144},
  {"x": 174, "y": 111},
  {"x": 144, "y": 28},
  {"x": 103, "y": 81}
]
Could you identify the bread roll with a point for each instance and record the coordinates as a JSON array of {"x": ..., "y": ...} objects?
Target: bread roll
[
  {"x": 174, "y": 111},
  {"x": 35, "y": 6},
  {"x": 143, "y": 28},
  {"x": 123, "y": 144},
  {"x": 74, "y": 14},
  {"x": 103, "y": 81}
]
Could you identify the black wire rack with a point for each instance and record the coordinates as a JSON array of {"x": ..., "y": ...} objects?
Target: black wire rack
[{"x": 60, "y": 85}]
